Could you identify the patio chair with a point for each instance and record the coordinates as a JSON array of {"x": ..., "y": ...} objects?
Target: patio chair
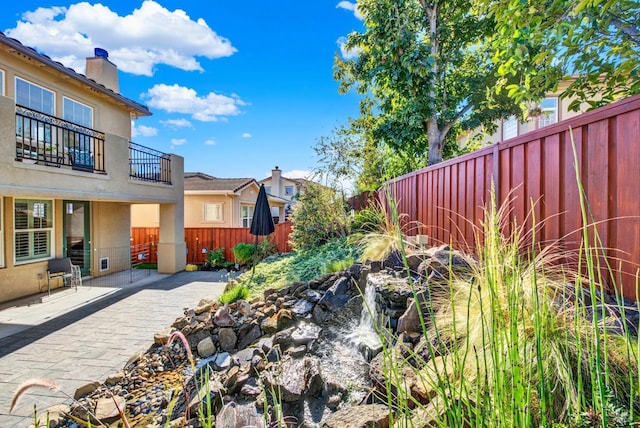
[{"x": 63, "y": 268}]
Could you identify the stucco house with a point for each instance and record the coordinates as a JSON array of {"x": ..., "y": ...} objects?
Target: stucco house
[
  {"x": 550, "y": 110},
  {"x": 213, "y": 202},
  {"x": 70, "y": 172},
  {"x": 283, "y": 187}
]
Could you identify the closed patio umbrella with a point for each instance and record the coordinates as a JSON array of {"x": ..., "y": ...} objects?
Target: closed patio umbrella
[{"x": 262, "y": 222}]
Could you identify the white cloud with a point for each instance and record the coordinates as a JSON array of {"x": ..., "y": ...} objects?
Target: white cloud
[
  {"x": 178, "y": 141},
  {"x": 176, "y": 123},
  {"x": 179, "y": 99},
  {"x": 347, "y": 53},
  {"x": 210, "y": 142},
  {"x": 298, "y": 173},
  {"x": 143, "y": 131},
  {"x": 137, "y": 42},
  {"x": 246, "y": 135},
  {"x": 352, "y": 7}
]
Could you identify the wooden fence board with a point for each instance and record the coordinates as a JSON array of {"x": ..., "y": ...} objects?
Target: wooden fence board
[
  {"x": 200, "y": 240},
  {"x": 539, "y": 166}
]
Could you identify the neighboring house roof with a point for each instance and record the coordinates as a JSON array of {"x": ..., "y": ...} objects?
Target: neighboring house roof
[
  {"x": 134, "y": 108},
  {"x": 200, "y": 182}
]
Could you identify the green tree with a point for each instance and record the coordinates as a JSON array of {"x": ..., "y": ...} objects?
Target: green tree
[
  {"x": 350, "y": 153},
  {"x": 318, "y": 217},
  {"x": 427, "y": 66},
  {"x": 596, "y": 42}
]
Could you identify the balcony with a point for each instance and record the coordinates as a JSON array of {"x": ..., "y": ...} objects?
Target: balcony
[
  {"x": 50, "y": 141},
  {"x": 149, "y": 165}
]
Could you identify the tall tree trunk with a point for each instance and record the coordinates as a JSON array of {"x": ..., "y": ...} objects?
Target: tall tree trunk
[{"x": 436, "y": 142}]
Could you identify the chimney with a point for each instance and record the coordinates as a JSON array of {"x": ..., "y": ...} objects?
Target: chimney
[
  {"x": 103, "y": 71},
  {"x": 276, "y": 174}
]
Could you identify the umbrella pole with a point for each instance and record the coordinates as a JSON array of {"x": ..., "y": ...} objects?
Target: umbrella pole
[{"x": 255, "y": 256}]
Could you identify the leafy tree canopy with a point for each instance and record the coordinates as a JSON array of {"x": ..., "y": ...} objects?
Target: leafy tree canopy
[
  {"x": 597, "y": 42},
  {"x": 425, "y": 67}
]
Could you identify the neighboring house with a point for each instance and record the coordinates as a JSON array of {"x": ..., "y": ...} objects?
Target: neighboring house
[
  {"x": 552, "y": 109},
  {"x": 213, "y": 202},
  {"x": 283, "y": 187},
  {"x": 70, "y": 174}
]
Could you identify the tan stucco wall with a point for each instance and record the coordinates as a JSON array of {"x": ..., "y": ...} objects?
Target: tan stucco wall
[
  {"x": 111, "y": 194},
  {"x": 527, "y": 126},
  {"x": 283, "y": 183},
  {"x": 194, "y": 210},
  {"x": 145, "y": 215}
]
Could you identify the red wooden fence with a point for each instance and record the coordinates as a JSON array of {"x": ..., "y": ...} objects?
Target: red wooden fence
[
  {"x": 199, "y": 240},
  {"x": 448, "y": 198}
]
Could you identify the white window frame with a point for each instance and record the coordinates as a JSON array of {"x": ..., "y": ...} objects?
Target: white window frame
[
  {"x": 267, "y": 189},
  {"x": 71, "y": 116},
  {"x": 2, "y": 87},
  {"x": 213, "y": 212},
  {"x": 29, "y": 105},
  {"x": 289, "y": 193},
  {"x": 31, "y": 231},
  {"x": 246, "y": 215},
  {"x": 509, "y": 125},
  {"x": 549, "y": 115}
]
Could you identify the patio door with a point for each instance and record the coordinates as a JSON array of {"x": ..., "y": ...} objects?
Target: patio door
[{"x": 77, "y": 242}]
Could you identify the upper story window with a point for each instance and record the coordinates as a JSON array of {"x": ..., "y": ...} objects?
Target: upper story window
[
  {"x": 33, "y": 229},
  {"x": 34, "y": 97},
  {"x": 76, "y": 112},
  {"x": 549, "y": 114},
  {"x": 213, "y": 212},
  {"x": 288, "y": 190},
  {"x": 267, "y": 189},
  {"x": 1, "y": 82},
  {"x": 509, "y": 127}
]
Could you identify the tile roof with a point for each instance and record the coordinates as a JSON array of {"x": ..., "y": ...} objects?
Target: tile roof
[
  {"x": 140, "y": 110},
  {"x": 203, "y": 182}
]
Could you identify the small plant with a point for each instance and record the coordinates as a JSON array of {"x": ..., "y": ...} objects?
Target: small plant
[
  {"x": 239, "y": 292},
  {"x": 333, "y": 266},
  {"x": 370, "y": 219},
  {"x": 266, "y": 248},
  {"x": 244, "y": 253},
  {"x": 215, "y": 258}
]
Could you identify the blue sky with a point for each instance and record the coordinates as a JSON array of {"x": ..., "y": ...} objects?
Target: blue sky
[{"x": 235, "y": 87}]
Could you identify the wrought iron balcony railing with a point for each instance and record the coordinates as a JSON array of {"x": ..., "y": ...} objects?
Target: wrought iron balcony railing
[
  {"x": 149, "y": 165},
  {"x": 51, "y": 141}
]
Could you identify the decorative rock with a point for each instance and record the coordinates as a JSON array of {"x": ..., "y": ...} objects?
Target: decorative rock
[
  {"x": 297, "y": 352},
  {"x": 86, "y": 389},
  {"x": 223, "y": 318},
  {"x": 162, "y": 337},
  {"x": 288, "y": 378},
  {"x": 206, "y": 347},
  {"x": 250, "y": 334},
  {"x": 55, "y": 414},
  {"x": 107, "y": 408},
  {"x": 244, "y": 307},
  {"x": 302, "y": 307},
  {"x": 114, "y": 378},
  {"x": 222, "y": 361},
  {"x": 368, "y": 415},
  {"x": 278, "y": 321},
  {"x": 227, "y": 339},
  {"x": 204, "y": 305}
]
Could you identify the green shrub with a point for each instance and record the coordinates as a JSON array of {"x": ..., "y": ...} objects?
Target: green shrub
[
  {"x": 244, "y": 253},
  {"x": 266, "y": 248},
  {"x": 239, "y": 292},
  {"x": 215, "y": 258},
  {"x": 368, "y": 220},
  {"x": 318, "y": 217},
  {"x": 333, "y": 266}
]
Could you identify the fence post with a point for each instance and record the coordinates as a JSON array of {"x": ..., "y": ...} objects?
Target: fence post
[{"x": 496, "y": 171}]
